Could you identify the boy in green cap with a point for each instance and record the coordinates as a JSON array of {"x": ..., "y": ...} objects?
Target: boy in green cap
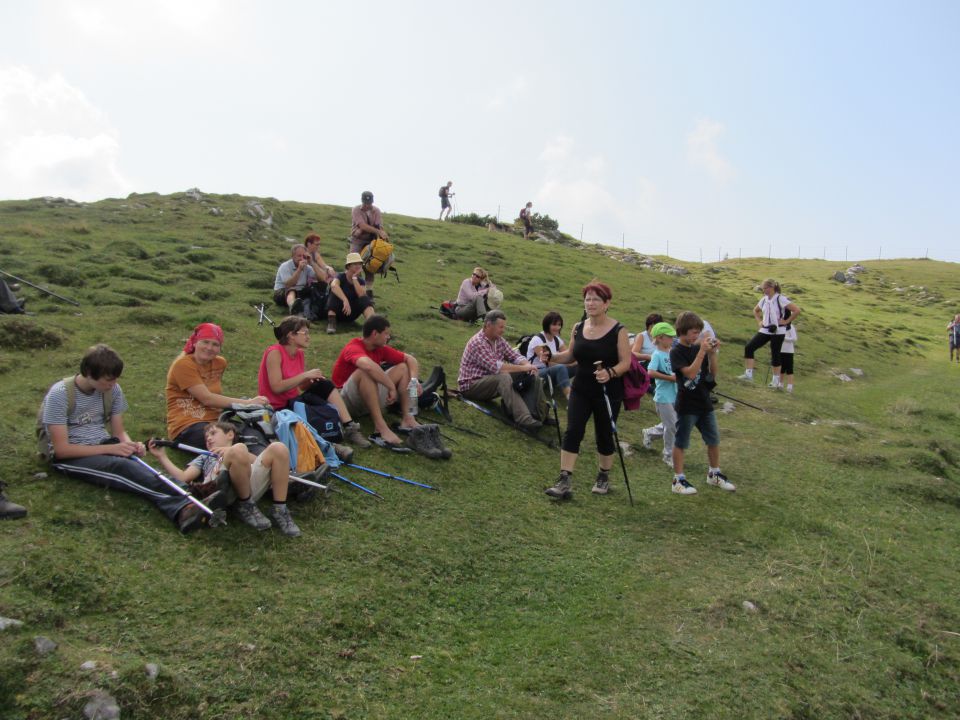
[{"x": 665, "y": 391}]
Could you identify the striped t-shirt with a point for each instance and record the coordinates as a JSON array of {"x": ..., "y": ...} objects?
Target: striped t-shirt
[{"x": 86, "y": 425}]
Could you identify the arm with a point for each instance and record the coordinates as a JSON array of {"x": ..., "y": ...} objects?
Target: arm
[
  {"x": 693, "y": 369},
  {"x": 295, "y": 278},
  {"x": 202, "y": 394},
  {"x": 320, "y": 267},
  {"x": 411, "y": 362},
  {"x": 514, "y": 361},
  {"x": 187, "y": 475},
  {"x": 623, "y": 359},
  {"x": 758, "y": 314},
  {"x": 63, "y": 449},
  {"x": 794, "y": 313},
  {"x": 565, "y": 356},
  {"x": 278, "y": 383},
  {"x": 638, "y": 347},
  {"x": 374, "y": 370}
]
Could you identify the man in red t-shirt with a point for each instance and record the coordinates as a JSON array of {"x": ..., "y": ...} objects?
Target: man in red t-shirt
[{"x": 366, "y": 387}]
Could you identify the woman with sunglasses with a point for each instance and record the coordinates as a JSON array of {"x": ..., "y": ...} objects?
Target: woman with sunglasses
[
  {"x": 472, "y": 298},
  {"x": 283, "y": 376},
  {"x": 194, "y": 394}
]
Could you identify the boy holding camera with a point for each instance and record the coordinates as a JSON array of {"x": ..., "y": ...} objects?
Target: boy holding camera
[{"x": 694, "y": 407}]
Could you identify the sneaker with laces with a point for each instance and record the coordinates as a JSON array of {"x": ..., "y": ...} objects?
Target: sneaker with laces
[
  {"x": 562, "y": 489},
  {"x": 601, "y": 485},
  {"x": 682, "y": 487},
  {"x": 251, "y": 515},
  {"x": 775, "y": 385},
  {"x": 718, "y": 479},
  {"x": 280, "y": 514},
  {"x": 647, "y": 440},
  {"x": 353, "y": 435},
  {"x": 745, "y": 377}
]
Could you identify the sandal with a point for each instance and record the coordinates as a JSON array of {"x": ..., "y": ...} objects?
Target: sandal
[{"x": 378, "y": 440}]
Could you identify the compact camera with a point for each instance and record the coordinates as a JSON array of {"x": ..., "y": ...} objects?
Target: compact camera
[{"x": 772, "y": 329}]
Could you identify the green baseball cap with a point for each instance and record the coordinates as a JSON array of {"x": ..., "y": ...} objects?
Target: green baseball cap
[{"x": 662, "y": 328}]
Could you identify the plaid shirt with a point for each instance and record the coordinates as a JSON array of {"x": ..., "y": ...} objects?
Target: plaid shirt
[{"x": 481, "y": 358}]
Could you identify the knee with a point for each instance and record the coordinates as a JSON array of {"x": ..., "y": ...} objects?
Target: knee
[{"x": 276, "y": 451}]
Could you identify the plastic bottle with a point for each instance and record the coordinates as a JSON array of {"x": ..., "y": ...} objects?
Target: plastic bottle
[{"x": 412, "y": 393}]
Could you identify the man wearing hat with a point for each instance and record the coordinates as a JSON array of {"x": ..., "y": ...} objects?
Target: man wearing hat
[
  {"x": 348, "y": 299},
  {"x": 367, "y": 225}
]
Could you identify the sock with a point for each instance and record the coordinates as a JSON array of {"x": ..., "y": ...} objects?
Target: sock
[
  {"x": 790, "y": 387},
  {"x": 713, "y": 471},
  {"x": 748, "y": 372},
  {"x": 246, "y": 499},
  {"x": 280, "y": 504},
  {"x": 679, "y": 476}
]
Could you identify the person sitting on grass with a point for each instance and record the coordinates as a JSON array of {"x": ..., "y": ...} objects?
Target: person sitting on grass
[
  {"x": 282, "y": 376},
  {"x": 368, "y": 389},
  {"x": 550, "y": 339},
  {"x": 77, "y": 420},
  {"x": 294, "y": 279},
  {"x": 471, "y": 301},
  {"x": 325, "y": 273},
  {"x": 348, "y": 299},
  {"x": 694, "y": 407},
  {"x": 250, "y": 475},
  {"x": 665, "y": 395},
  {"x": 488, "y": 368},
  {"x": 194, "y": 395}
]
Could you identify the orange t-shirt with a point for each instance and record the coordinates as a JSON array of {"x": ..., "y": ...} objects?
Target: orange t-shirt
[{"x": 184, "y": 410}]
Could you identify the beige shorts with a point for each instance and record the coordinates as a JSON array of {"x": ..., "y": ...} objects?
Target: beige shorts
[
  {"x": 350, "y": 393},
  {"x": 259, "y": 479}
]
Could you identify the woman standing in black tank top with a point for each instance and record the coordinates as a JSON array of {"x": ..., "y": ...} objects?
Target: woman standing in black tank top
[{"x": 601, "y": 339}]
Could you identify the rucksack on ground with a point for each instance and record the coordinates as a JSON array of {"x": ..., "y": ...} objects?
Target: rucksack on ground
[
  {"x": 44, "y": 449},
  {"x": 321, "y": 416}
]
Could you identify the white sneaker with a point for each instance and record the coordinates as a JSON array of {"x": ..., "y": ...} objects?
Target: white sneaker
[
  {"x": 718, "y": 479},
  {"x": 647, "y": 442},
  {"x": 745, "y": 377},
  {"x": 668, "y": 461},
  {"x": 682, "y": 487},
  {"x": 775, "y": 385}
]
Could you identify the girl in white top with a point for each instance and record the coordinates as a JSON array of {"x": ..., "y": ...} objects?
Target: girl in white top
[{"x": 774, "y": 312}]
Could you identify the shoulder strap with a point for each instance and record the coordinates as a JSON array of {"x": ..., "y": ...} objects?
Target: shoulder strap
[{"x": 70, "y": 385}]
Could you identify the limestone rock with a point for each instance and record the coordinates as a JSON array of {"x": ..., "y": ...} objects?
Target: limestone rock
[
  {"x": 215, "y": 211},
  {"x": 152, "y": 670},
  {"x": 89, "y": 665},
  {"x": 728, "y": 407},
  {"x": 43, "y": 645},
  {"x": 9, "y": 623},
  {"x": 749, "y": 606},
  {"x": 840, "y": 276},
  {"x": 101, "y": 707},
  {"x": 194, "y": 194}
]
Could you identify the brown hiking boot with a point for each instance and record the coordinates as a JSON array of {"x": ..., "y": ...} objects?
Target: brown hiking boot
[
  {"x": 353, "y": 435},
  {"x": 563, "y": 488},
  {"x": 10, "y": 510}
]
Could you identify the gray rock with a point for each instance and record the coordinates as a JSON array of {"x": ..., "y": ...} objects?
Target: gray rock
[
  {"x": 101, "y": 707},
  {"x": 9, "y": 623},
  {"x": 844, "y": 377},
  {"x": 840, "y": 276},
  {"x": 40, "y": 476},
  {"x": 215, "y": 211},
  {"x": 89, "y": 665},
  {"x": 851, "y": 280},
  {"x": 857, "y": 371},
  {"x": 749, "y": 606},
  {"x": 152, "y": 670},
  {"x": 728, "y": 407},
  {"x": 627, "y": 450},
  {"x": 255, "y": 209},
  {"x": 292, "y": 241},
  {"x": 194, "y": 194},
  {"x": 544, "y": 240},
  {"x": 854, "y": 269},
  {"x": 44, "y": 646}
]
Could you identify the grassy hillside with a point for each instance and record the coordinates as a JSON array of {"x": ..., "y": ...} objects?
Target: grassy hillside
[{"x": 486, "y": 600}]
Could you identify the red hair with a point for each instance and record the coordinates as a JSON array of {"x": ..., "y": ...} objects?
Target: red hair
[{"x": 601, "y": 290}]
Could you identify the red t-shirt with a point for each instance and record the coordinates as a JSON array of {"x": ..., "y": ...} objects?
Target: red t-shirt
[{"x": 354, "y": 350}]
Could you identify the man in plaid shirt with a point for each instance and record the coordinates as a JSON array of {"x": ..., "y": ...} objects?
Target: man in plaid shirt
[{"x": 489, "y": 367}]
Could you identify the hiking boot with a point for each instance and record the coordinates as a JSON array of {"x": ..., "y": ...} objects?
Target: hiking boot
[
  {"x": 745, "y": 377},
  {"x": 190, "y": 518},
  {"x": 718, "y": 479},
  {"x": 344, "y": 453},
  {"x": 548, "y": 420},
  {"x": 563, "y": 488},
  {"x": 445, "y": 452},
  {"x": 331, "y": 326},
  {"x": 251, "y": 515},
  {"x": 682, "y": 487},
  {"x": 353, "y": 435},
  {"x": 530, "y": 424},
  {"x": 602, "y": 484},
  {"x": 10, "y": 510},
  {"x": 280, "y": 514},
  {"x": 421, "y": 440}
]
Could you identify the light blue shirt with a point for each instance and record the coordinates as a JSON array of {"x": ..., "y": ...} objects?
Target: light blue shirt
[{"x": 664, "y": 391}]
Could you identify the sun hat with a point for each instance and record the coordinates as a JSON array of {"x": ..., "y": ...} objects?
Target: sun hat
[{"x": 662, "y": 328}]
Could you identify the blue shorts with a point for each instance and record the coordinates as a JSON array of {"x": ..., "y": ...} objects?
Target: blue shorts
[{"x": 705, "y": 423}]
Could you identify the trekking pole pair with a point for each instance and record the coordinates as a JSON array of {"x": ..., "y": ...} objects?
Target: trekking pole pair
[
  {"x": 261, "y": 310},
  {"x": 506, "y": 421}
]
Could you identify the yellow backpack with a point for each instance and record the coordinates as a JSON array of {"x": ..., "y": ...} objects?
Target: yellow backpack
[{"x": 377, "y": 256}]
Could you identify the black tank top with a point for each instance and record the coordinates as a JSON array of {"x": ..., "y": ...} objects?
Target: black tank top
[{"x": 587, "y": 352}]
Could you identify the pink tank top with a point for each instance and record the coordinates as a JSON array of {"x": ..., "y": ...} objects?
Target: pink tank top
[{"x": 289, "y": 367}]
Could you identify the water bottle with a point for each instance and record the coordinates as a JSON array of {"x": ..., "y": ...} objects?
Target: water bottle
[{"x": 412, "y": 393}]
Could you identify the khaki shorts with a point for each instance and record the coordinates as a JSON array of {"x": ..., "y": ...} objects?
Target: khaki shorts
[
  {"x": 259, "y": 479},
  {"x": 350, "y": 393}
]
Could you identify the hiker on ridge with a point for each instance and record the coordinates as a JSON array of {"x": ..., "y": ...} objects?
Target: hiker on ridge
[
  {"x": 445, "y": 196},
  {"x": 953, "y": 329},
  {"x": 526, "y": 215},
  {"x": 367, "y": 224}
]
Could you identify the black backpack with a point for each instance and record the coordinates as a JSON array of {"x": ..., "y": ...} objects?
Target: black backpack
[
  {"x": 253, "y": 427},
  {"x": 524, "y": 343}
]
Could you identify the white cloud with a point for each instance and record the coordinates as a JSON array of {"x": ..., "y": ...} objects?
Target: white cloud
[
  {"x": 53, "y": 141},
  {"x": 505, "y": 96},
  {"x": 702, "y": 149},
  {"x": 557, "y": 150}
]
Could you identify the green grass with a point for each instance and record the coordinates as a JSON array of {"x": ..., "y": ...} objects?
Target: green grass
[{"x": 842, "y": 532}]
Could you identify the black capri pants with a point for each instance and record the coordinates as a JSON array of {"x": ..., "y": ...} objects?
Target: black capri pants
[
  {"x": 787, "y": 367},
  {"x": 761, "y": 339},
  {"x": 580, "y": 407}
]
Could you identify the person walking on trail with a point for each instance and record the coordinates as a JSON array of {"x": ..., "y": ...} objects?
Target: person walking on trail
[
  {"x": 445, "y": 196},
  {"x": 88, "y": 441},
  {"x": 601, "y": 347},
  {"x": 283, "y": 377},
  {"x": 953, "y": 329},
  {"x": 774, "y": 313},
  {"x": 471, "y": 301},
  {"x": 490, "y": 368},
  {"x": 526, "y": 216},
  {"x": 249, "y": 475},
  {"x": 694, "y": 363},
  {"x": 368, "y": 389},
  {"x": 367, "y": 223},
  {"x": 194, "y": 393}
]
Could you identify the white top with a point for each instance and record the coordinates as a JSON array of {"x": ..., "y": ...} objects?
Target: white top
[{"x": 772, "y": 314}]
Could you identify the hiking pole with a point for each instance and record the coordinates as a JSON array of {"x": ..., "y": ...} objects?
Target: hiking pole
[
  {"x": 356, "y": 485},
  {"x": 553, "y": 404},
  {"x": 198, "y": 451},
  {"x": 616, "y": 437},
  {"x": 739, "y": 401},
  {"x": 392, "y": 477},
  {"x": 217, "y": 517},
  {"x": 506, "y": 421},
  {"x": 261, "y": 309},
  {"x": 41, "y": 289}
]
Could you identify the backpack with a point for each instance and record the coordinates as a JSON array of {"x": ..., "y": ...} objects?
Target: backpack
[
  {"x": 44, "y": 449},
  {"x": 448, "y": 308},
  {"x": 377, "y": 256},
  {"x": 442, "y": 191},
  {"x": 320, "y": 415},
  {"x": 524, "y": 343},
  {"x": 254, "y": 428},
  {"x": 308, "y": 451}
]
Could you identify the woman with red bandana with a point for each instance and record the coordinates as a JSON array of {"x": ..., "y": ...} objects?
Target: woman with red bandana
[{"x": 194, "y": 395}]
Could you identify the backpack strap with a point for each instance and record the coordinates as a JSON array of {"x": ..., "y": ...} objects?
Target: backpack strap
[{"x": 70, "y": 385}]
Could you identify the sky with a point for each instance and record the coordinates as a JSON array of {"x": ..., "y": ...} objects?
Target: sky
[{"x": 695, "y": 129}]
